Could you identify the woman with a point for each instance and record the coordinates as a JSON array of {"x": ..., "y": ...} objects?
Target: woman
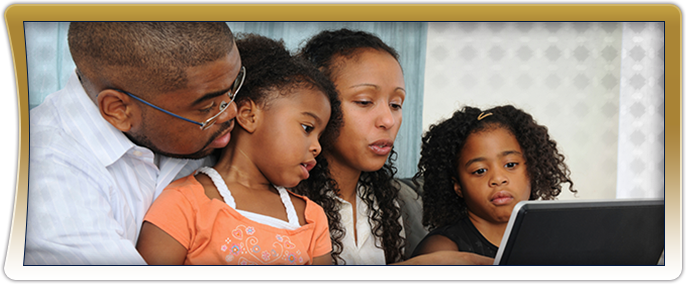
[{"x": 353, "y": 180}]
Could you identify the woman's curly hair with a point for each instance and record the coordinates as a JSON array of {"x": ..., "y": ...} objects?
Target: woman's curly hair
[
  {"x": 324, "y": 48},
  {"x": 381, "y": 194},
  {"x": 442, "y": 144},
  {"x": 270, "y": 67}
]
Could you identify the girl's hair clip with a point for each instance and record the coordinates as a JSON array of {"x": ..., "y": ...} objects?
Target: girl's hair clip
[{"x": 483, "y": 115}]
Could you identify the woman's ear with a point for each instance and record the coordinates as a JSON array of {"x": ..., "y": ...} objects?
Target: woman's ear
[
  {"x": 457, "y": 187},
  {"x": 117, "y": 109},
  {"x": 249, "y": 115}
]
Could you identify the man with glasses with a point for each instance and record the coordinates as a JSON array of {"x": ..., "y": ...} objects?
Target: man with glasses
[{"x": 147, "y": 104}]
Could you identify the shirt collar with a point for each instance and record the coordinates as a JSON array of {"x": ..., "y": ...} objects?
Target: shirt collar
[
  {"x": 359, "y": 191},
  {"x": 83, "y": 120}
]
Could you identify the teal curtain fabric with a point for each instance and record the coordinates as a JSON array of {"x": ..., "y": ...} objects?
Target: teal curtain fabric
[
  {"x": 49, "y": 65},
  {"x": 48, "y": 59}
]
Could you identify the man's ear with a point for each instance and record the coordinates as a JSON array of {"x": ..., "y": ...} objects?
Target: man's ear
[
  {"x": 249, "y": 114},
  {"x": 117, "y": 109},
  {"x": 457, "y": 187}
]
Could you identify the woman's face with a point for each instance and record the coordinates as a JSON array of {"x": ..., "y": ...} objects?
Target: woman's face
[{"x": 372, "y": 92}]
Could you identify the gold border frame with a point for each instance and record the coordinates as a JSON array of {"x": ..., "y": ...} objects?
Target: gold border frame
[{"x": 16, "y": 14}]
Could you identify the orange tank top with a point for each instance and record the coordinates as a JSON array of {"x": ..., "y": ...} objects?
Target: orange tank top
[{"x": 215, "y": 233}]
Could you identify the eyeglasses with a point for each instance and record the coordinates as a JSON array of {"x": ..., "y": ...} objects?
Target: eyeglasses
[{"x": 223, "y": 106}]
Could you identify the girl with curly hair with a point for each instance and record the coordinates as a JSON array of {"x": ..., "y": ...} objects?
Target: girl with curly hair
[
  {"x": 476, "y": 166},
  {"x": 353, "y": 180},
  {"x": 239, "y": 211}
]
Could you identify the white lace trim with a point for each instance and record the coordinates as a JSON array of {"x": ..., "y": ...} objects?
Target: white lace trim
[{"x": 293, "y": 221}]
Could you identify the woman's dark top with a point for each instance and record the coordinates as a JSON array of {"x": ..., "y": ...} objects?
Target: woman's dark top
[{"x": 465, "y": 236}]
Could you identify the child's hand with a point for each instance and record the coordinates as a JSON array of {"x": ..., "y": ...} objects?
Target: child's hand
[{"x": 448, "y": 257}]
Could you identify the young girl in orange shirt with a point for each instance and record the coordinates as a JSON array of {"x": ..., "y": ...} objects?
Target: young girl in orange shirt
[{"x": 239, "y": 212}]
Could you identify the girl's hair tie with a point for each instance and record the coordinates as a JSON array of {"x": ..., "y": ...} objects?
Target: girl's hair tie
[{"x": 483, "y": 115}]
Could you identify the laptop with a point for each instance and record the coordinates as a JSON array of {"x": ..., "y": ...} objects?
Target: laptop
[{"x": 599, "y": 232}]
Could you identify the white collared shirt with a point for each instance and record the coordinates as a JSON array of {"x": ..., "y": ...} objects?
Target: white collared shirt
[
  {"x": 367, "y": 250},
  {"x": 89, "y": 185}
]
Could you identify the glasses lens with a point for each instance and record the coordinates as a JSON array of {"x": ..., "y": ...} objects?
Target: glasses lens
[
  {"x": 232, "y": 95},
  {"x": 222, "y": 107},
  {"x": 238, "y": 83}
]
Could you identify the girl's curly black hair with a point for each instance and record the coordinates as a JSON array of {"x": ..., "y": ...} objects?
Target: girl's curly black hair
[
  {"x": 381, "y": 195},
  {"x": 442, "y": 144},
  {"x": 270, "y": 67}
]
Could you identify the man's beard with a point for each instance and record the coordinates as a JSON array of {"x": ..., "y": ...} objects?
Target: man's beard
[{"x": 144, "y": 141}]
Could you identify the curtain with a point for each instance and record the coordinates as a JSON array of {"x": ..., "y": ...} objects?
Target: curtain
[
  {"x": 641, "y": 150},
  {"x": 49, "y": 65},
  {"x": 48, "y": 59}
]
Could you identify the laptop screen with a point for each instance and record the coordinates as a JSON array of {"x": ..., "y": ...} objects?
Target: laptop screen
[{"x": 606, "y": 232}]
